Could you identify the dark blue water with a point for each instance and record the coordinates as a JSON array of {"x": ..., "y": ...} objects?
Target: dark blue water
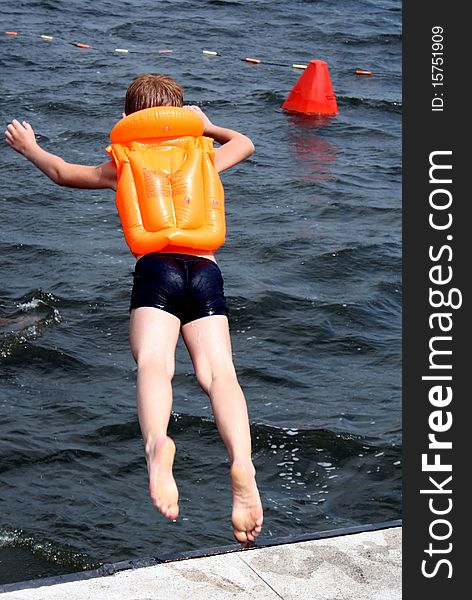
[{"x": 312, "y": 266}]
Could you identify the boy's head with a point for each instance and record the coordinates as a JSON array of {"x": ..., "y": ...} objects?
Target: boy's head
[{"x": 151, "y": 90}]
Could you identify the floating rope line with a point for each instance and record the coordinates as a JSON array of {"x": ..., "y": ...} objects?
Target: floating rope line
[
  {"x": 212, "y": 53},
  {"x": 83, "y": 45},
  {"x": 258, "y": 61}
]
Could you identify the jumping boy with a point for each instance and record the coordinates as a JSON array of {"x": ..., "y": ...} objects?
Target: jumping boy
[{"x": 158, "y": 315}]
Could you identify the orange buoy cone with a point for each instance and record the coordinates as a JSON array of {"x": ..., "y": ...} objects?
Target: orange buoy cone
[{"x": 313, "y": 93}]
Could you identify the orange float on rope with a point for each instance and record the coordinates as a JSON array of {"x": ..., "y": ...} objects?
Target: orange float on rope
[{"x": 169, "y": 196}]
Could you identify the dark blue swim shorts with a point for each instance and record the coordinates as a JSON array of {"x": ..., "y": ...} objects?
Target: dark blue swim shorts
[{"x": 187, "y": 286}]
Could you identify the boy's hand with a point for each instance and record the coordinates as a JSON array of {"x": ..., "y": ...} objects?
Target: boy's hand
[
  {"x": 20, "y": 136},
  {"x": 235, "y": 146},
  {"x": 199, "y": 112}
]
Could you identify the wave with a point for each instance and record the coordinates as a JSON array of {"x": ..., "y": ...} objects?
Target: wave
[
  {"x": 46, "y": 551},
  {"x": 386, "y": 105},
  {"x": 264, "y": 435},
  {"x": 356, "y": 210},
  {"x": 34, "y": 315},
  {"x": 354, "y": 260},
  {"x": 17, "y": 459},
  {"x": 367, "y": 39}
]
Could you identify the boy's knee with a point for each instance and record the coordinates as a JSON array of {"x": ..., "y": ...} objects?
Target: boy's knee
[
  {"x": 207, "y": 378},
  {"x": 157, "y": 365},
  {"x": 204, "y": 379}
]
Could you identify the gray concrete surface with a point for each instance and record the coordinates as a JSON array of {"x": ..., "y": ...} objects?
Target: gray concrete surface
[{"x": 361, "y": 566}]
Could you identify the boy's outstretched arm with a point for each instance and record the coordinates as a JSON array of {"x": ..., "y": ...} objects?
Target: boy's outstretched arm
[
  {"x": 20, "y": 137},
  {"x": 235, "y": 146}
]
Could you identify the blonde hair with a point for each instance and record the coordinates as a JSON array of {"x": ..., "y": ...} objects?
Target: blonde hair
[{"x": 151, "y": 90}]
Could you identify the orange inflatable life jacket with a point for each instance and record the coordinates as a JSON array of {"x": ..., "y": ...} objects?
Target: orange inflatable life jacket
[{"x": 169, "y": 196}]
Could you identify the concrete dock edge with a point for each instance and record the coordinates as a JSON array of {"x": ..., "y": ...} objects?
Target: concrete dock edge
[{"x": 362, "y": 562}]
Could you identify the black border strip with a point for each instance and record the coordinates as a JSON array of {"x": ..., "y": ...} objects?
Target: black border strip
[
  {"x": 437, "y": 238},
  {"x": 112, "y": 568}
]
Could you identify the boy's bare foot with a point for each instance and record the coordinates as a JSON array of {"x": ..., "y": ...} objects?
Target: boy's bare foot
[
  {"x": 162, "y": 486},
  {"x": 247, "y": 508}
]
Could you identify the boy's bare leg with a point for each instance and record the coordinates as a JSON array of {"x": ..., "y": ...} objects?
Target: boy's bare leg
[
  {"x": 153, "y": 337},
  {"x": 209, "y": 345}
]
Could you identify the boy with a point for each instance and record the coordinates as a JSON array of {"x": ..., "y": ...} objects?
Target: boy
[{"x": 160, "y": 281}]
